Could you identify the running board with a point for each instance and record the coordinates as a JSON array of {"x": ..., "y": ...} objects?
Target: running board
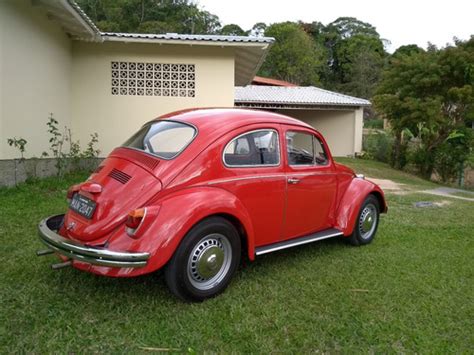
[{"x": 325, "y": 234}]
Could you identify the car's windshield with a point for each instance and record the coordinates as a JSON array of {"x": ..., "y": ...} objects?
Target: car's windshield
[{"x": 165, "y": 139}]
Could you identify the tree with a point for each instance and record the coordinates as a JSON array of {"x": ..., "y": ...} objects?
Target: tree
[
  {"x": 232, "y": 30},
  {"x": 355, "y": 55},
  {"x": 347, "y": 27},
  {"x": 431, "y": 94},
  {"x": 360, "y": 61},
  {"x": 408, "y": 49},
  {"x": 293, "y": 57},
  {"x": 258, "y": 30},
  {"x": 150, "y": 16}
]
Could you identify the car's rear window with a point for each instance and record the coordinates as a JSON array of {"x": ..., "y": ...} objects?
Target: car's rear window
[{"x": 165, "y": 139}]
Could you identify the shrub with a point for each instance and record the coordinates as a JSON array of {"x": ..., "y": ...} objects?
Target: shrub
[
  {"x": 376, "y": 123},
  {"x": 453, "y": 153},
  {"x": 18, "y": 143},
  {"x": 378, "y": 146},
  {"x": 69, "y": 160}
]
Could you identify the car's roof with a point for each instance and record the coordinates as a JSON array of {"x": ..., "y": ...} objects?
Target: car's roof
[{"x": 211, "y": 119}]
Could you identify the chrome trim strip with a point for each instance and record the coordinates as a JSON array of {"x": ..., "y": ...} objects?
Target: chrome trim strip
[
  {"x": 221, "y": 181},
  {"x": 318, "y": 173},
  {"x": 93, "y": 255},
  {"x": 330, "y": 233},
  {"x": 255, "y": 165}
]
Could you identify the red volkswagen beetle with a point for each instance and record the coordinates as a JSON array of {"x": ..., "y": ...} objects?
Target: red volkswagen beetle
[{"x": 193, "y": 191}]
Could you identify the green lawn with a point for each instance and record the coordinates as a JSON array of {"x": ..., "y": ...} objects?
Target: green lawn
[{"x": 411, "y": 290}]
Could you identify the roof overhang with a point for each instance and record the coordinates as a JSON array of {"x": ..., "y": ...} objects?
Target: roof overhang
[
  {"x": 276, "y": 106},
  {"x": 299, "y": 97},
  {"x": 250, "y": 52},
  {"x": 72, "y": 19}
]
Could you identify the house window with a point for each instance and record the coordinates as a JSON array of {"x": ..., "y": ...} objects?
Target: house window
[{"x": 153, "y": 79}]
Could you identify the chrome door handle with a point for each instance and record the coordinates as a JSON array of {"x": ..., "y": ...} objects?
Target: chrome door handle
[{"x": 293, "y": 180}]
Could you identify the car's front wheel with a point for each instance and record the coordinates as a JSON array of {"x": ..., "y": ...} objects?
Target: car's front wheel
[
  {"x": 367, "y": 222},
  {"x": 205, "y": 261}
]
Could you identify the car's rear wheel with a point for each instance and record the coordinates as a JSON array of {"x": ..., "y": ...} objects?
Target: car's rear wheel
[
  {"x": 367, "y": 222},
  {"x": 205, "y": 261}
]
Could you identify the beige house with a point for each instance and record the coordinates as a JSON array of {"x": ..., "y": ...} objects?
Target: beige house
[{"x": 53, "y": 59}]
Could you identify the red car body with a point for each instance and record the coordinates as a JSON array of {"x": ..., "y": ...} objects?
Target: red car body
[{"x": 269, "y": 205}]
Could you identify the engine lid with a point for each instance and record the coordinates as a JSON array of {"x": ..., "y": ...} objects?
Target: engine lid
[{"x": 118, "y": 187}]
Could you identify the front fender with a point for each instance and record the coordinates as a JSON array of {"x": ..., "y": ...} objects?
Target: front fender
[
  {"x": 179, "y": 212},
  {"x": 352, "y": 200}
]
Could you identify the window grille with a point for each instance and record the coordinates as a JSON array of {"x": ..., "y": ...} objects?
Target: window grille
[{"x": 153, "y": 79}]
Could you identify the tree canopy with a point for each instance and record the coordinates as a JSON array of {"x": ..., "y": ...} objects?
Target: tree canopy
[
  {"x": 232, "y": 30},
  {"x": 294, "y": 56},
  {"x": 150, "y": 16},
  {"x": 431, "y": 94}
]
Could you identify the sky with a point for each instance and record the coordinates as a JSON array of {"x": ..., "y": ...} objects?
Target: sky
[{"x": 401, "y": 21}]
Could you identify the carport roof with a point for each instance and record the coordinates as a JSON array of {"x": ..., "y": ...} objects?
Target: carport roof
[{"x": 292, "y": 97}]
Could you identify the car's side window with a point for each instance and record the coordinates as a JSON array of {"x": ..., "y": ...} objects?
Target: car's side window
[
  {"x": 304, "y": 149},
  {"x": 299, "y": 148},
  {"x": 320, "y": 156},
  {"x": 256, "y": 148}
]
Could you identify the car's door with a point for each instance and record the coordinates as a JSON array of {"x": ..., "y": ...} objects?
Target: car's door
[
  {"x": 311, "y": 183},
  {"x": 253, "y": 170}
]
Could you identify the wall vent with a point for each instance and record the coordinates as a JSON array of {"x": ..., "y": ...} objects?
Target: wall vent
[{"x": 153, "y": 79}]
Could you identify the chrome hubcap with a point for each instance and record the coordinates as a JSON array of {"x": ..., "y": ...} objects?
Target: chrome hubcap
[
  {"x": 209, "y": 261},
  {"x": 368, "y": 221}
]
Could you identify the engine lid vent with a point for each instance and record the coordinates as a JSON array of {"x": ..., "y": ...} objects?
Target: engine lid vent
[
  {"x": 145, "y": 160},
  {"x": 120, "y": 176},
  {"x": 149, "y": 162}
]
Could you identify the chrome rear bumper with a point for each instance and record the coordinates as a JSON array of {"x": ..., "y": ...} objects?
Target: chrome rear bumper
[{"x": 94, "y": 255}]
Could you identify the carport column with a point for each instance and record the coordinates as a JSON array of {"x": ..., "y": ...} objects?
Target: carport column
[{"x": 358, "y": 129}]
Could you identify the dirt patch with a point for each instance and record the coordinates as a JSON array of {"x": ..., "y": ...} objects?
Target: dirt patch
[
  {"x": 387, "y": 185},
  {"x": 442, "y": 203}
]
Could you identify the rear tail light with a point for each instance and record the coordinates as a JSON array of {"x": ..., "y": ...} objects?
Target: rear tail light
[
  {"x": 92, "y": 188},
  {"x": 134, "y": 220}
]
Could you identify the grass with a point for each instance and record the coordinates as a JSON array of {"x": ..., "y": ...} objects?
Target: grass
[{"x": 411, "y": 290}]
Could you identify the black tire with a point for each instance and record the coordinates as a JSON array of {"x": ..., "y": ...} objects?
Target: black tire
[
  {"x": 367, "y": 222},
  {"x": 205, "y": 261}
]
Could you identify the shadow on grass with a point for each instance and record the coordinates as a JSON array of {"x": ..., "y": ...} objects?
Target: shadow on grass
[{"x": 73, "y": 282}]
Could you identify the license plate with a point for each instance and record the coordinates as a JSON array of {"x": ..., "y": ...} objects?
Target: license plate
[{"x": 83, "y": 205}]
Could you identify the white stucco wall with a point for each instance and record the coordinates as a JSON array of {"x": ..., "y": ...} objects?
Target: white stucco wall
[
  {"x": 35, "y": 66},
  {"x": 116, "y": 117},
  {"x": 342, "y": 129}
]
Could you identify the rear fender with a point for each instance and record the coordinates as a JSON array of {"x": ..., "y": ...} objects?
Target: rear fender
[
  {"x": 180, "y": 211},
  {"x": 352, "y": 200}
]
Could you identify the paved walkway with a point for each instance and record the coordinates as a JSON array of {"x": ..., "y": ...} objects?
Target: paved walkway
[
  {"x": 396, "y": 188},
  {"x": 450, "y": 192}
]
